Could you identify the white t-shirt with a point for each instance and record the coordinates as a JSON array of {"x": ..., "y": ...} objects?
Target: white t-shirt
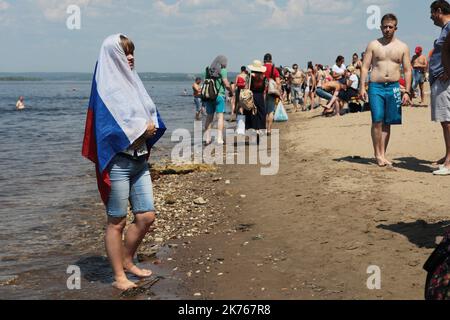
[
  {"x": 355, "y": 81},
  {"x": 339, "y": 70}
]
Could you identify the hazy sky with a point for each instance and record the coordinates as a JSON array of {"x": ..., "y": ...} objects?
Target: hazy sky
[{"x": 185, "y": 35}]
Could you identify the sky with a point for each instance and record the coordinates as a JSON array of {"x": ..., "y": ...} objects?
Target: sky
[{"x": 186, "y": 35}]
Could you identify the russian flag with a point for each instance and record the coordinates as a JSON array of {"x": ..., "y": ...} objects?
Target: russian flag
[{"x": 118, "y": 113}]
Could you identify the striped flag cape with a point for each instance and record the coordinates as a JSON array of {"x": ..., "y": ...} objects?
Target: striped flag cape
[{"x": 119, "y": 112}]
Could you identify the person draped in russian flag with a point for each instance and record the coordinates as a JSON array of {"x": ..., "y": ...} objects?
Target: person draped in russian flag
[{"x": 122, "y": 126}]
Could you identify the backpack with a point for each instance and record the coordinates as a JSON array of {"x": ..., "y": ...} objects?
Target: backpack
[
  {"x": 246, "y": 99},
  {"x": 209, "y": 90}
]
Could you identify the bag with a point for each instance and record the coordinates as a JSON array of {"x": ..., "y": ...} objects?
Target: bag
[
  {"x": 437, "y": 286},
  {"x": 209, "y": 90},
  {"x": 246, "y": 99},
  {"x": 280, "y": 114},
  {"x": 240, "y": 124},
  {"x": 273, "y": 87}
]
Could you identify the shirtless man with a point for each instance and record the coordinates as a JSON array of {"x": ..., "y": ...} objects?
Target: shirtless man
[
  {"x": 386, "y": 55},
  {"x": 297, "y": 80},
  {"x": 20, "y": 105},
  {"x": 420, "y": 65}
]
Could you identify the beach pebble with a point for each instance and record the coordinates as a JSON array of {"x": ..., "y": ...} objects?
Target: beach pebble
[
  {"x": 197, "y": 294},
  {"x": 227, "y": 182},
  {"x": 8, "y": 280},
  {"x": 200, "y": 201},
  {"x": 243, "y": 196}
]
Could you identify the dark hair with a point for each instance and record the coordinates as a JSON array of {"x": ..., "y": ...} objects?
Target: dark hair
[
  {"x": 339, "y": 58},
  {"x": 294, "y": 65},
  {"x": 127, "y": 45},
  {"x": 243, "y": 68},
  {"x": 310, "y": 65},
  {"x": 267, "y": 57},
  {"x": 355, "y": 54},
  {"x": 389, "y": 16},
  {"x": 441, "y": 4},
  {"x": 198, "y": 79},
  {"x": 320, "y": 67}
]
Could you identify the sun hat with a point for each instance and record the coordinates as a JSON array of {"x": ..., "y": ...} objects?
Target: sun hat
[{"x": 257, "y": 66}]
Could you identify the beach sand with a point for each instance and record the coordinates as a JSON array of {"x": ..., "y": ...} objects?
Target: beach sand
[{"x": 312, "y": 230}]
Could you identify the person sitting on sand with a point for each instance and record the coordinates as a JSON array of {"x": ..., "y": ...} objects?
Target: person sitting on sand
[
  {"x": 20, "y": 105},
  {"x": 334, "y": 105},
  {"x": 122, "y": 126},
  {"x": 338, "y": 70}
]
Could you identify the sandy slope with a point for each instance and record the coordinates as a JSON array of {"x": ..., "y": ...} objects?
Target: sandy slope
[{"x": 328, "y": 215}]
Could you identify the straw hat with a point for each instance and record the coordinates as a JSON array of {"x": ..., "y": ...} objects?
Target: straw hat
[{"x": 257, "y": 66}]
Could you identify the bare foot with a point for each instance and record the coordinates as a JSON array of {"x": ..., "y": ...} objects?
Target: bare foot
[
  {"x": 141, "y": 273},
  {"x": 381, "y": 161},
  {"x": 124, "y": 284},
  {"x": 388, "y": 163}
]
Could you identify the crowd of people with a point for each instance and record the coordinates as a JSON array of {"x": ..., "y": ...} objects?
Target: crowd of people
[{"x": 123, "y": 123}]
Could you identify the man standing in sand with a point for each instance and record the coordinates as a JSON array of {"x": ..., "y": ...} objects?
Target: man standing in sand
[
  {"x": 386, "y": 56},
  {"x": 439, "y": 80},
  {"x": 420, "y": 65},
  {"x": 20, "y": 105},
  {"x": 297, "y": 80}
]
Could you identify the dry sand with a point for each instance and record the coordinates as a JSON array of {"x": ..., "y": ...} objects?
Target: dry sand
[{"x": 312, "y": 230}]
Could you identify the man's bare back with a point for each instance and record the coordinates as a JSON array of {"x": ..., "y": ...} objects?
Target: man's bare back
[{"x": 386, "y": 60}]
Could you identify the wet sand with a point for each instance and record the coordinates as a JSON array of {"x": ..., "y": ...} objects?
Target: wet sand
[{"x": 312, "y": 231}]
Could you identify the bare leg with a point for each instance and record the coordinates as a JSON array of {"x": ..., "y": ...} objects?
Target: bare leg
[
  {"x": 421, "y": 93},
  {"x": 135, "y": 233},
  {"x": 220, "y": 125},
  {"x": 333, "y": 100},
  {"x": 114, "y": 250},
  {"x": 386, "y": 135},
  {"x": 377, "y": 137},
  {"x": 269, "y": 122},
  {"x": 208, "y": 127}
]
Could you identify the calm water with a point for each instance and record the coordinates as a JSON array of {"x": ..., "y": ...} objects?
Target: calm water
[{"x": 49, "y": 205}]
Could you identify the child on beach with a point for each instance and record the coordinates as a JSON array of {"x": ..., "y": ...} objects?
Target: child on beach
[{"x": 122, "y": 126}]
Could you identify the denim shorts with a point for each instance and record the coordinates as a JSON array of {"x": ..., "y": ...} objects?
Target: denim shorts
[
  {"x": 217, "y": 106},
  {"x": 270, "y": 104},
  {"x": 130, "y": 182},
  {"x": 418, "y": 78},
  {"x": 198, "y": 103},
  {"x": 324, "y": 94},
  {"x": 385, "y": 102}
]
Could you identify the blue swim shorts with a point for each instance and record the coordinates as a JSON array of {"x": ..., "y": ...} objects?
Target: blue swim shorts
[
  {"x": 385, "y": 103},
  {"x": 217, "y": 106}
]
